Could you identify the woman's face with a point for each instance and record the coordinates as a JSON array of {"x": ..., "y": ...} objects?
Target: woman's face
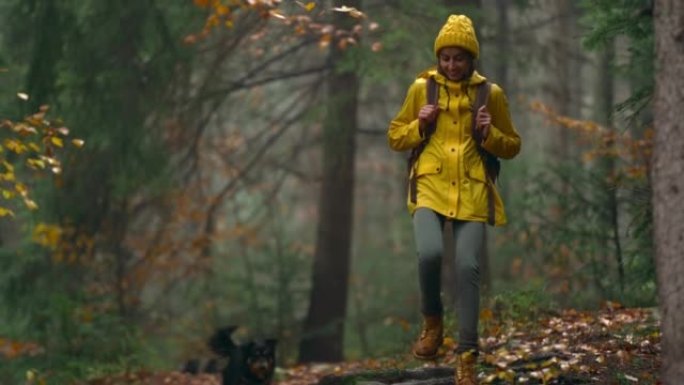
[{"x": 455, "y": 62}]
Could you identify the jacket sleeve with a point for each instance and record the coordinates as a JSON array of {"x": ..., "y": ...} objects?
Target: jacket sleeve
[
  {"x": 503, "y": 140},
  {"x": 404, "y": 133}
]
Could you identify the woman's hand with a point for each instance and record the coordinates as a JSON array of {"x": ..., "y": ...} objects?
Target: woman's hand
[
  {"x": 483, "y": 120},
  {"x": 427, "y": 114}
]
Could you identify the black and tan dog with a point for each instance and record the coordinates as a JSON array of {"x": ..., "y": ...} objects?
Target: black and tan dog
[{"x": 251, "y": 363}]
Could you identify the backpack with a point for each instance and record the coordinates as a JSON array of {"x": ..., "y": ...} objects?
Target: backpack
[{"x": 491, "y": 163}]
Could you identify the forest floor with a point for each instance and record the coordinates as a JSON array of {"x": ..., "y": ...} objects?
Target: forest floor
[{"x": 612, "y": 346}]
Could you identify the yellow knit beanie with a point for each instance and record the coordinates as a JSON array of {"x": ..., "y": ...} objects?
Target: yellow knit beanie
[{"x": 458, "y": 31}]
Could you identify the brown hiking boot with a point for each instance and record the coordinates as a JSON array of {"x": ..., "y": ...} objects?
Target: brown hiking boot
[
  {"x": 465, "y": 369},
  {"x": 431, "y": 337}
]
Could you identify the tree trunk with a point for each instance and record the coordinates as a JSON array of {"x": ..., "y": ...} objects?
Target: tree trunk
[
  {"x": 668, "y": 184},
  {"x": 323, "y": 334},
  {"x": 604, "y": 112},
  {"x": 565, "y": 65}
]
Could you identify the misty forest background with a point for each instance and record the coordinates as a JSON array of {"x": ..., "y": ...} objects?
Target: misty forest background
[{"x": 235, "y": 170}]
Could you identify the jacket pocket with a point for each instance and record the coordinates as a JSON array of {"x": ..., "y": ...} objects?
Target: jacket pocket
[
  {"x": 477, "y": 173},
  {"x": 428, "y": 164},
  {"x": 476, "y": 192}
]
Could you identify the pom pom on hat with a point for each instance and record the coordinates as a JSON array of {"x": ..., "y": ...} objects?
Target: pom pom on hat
[{"x": 458, "y": 32}]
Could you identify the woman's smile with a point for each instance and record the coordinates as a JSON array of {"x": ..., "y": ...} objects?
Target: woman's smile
[{"x": 455, "y": 62}]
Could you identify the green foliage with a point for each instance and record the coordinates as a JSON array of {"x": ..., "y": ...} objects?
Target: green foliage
[
  {"x": 76, "y": 339},
  {"x": 572, "y": 236},
  {"x": 609, "y": 20},
  {"x": 383, "y": 310},
  {"x": 526, "y": 304},
  {"x": 406, "y": 34},
  {"x": 106, "y": 67}
]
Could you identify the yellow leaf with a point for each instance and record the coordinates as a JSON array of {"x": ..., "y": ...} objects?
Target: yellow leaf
[
  {"x": 57, "y": 141},
  {"x": 47, "y": 235},
  {"x": 36, "y": 163},
  {"x": 22, "y": 96},
  {"x": 7, "y": 194},
  {"x": 5, "y": 212},
  {"x": 21, "y": 189},
  {"x": 50, "y": 160},
  {"x": 8, "y": 177},
  {"x": 8, "y": 166},
  {"x": 308, "y": 6},
  {"x": 32, "y": 205},
  {"x": 15, "y": 146}
]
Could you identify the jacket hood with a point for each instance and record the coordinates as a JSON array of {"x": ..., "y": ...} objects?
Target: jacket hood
[{"x": 475, "y": 78}]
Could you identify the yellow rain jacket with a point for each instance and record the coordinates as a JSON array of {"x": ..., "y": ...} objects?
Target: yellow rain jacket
[{"x": 450, "y": 174}]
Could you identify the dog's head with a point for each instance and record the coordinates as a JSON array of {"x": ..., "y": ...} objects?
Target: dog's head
[
  {"x": 260, "y": 358},
  {"x": 221, "y": 342}
]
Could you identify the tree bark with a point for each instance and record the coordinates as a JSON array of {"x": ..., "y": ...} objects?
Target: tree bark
[
  {"x": 323, "y": 334},
  {"x": 668, "y": 184},
  {"x": 605, "y": 101},
  {"x": 566, "y": 65}
]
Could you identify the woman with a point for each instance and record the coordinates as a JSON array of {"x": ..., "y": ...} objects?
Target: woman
[{"x": 449, "y": 179}]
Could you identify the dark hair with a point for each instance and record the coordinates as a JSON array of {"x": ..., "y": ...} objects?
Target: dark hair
[
  {"x": 467, "y": 75},
  {"x": 471, "y": 64}
]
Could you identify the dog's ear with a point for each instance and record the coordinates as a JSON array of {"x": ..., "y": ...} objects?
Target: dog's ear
[
  {"x": 271, "y": 343},
  {"x": 221, "y": 342},
  {"x": 192, "y": 366}
]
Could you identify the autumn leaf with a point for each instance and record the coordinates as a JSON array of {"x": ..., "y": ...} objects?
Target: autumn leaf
[
  {"x": 222, "y": 10},
  {"x": 353, "y": 12},
  {"x": 15, "y": 146},
  {"x": 47, "y": 235},
  {"x": 36, "y": 163},
  {"x": 308, "y": 6},
  {"x": 324, "y": 41},
  {"x": 277, "y": 14},
  {"x": 24, "y": 129},
  {"x": 78, "y": 143},
  {"x": 22, "y": 96},
  {"x": 5, "y": 212},
  {"x": 57, "y": 141}
]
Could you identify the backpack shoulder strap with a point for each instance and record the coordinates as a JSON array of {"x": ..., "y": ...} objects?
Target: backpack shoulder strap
[
  {"x": 432, "y": 98},
  {"x": 491, "y": 163},
  {"x": 432, "y": 89},
  {"x": 432, "y": 92},
  {"x": 481, "y": 99}
]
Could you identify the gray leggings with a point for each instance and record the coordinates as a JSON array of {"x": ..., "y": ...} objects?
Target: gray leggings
[{"x": 468, "y": 236}]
